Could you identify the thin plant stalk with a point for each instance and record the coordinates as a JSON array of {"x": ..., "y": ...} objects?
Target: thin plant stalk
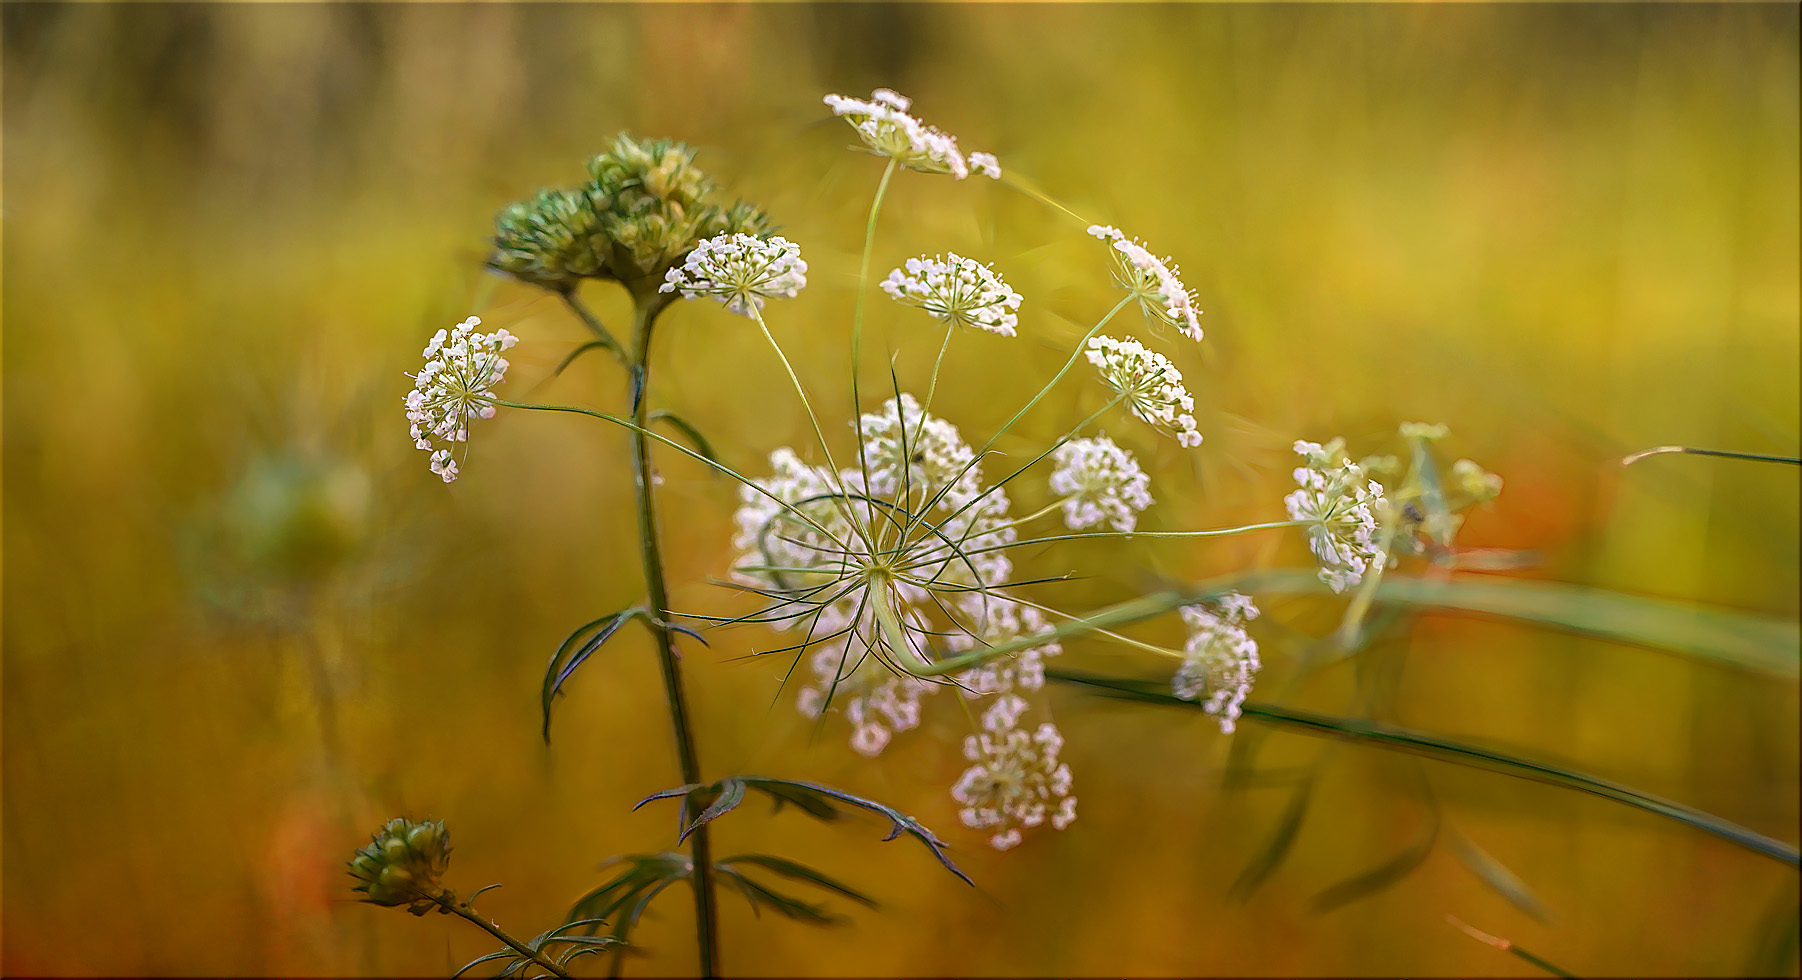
[
  {"x": 446, "y": 902},
  {"x": 657, "y": 599}
]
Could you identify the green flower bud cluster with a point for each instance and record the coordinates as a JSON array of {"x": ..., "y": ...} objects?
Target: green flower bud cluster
[
  {"x": 644, "y": 207},
  {"x": 402, "y": 865}
]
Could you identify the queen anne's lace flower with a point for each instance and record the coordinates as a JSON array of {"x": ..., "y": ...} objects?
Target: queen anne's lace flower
[
  {"x": 885, "y": 127},
  {"x": 453, "y": 388},
  {"x": 1099, "y": 481},
  {"x": 740, "y": 271},
  {"x": 1152, "y": 281},
  {"x": 1221, "y": 659},
  {"x": 922, "y": 455},
  {"x": 1015, "y": 780},
  {"x": 957, "y": 291},
  {"x": 1340, "y": 505},
  {"x": 1152, "y": 385}
]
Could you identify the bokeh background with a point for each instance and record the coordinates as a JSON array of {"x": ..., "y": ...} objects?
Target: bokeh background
[{"x": 243, "y": 623}]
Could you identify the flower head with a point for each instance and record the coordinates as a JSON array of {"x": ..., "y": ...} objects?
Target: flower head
[
  {"x": 453, "y": 388},
  {"x": 1099, "y": 482},
  {"x": 1152, "y": 281},
  {"x": 1152, "y": 385},
  {"x": 909, "y": 454},
  {"x": 1220, "y": 658},
  {"x": 1476, "y": 482},
  {"x": 739, "y": 271},
  {"x": 1015, "y": 779},
  {"x": 402, "y": 864},
  {"x": 1340, "y": 505},
  {"x": 885, "y": 127},
  {"x": 958, "y": 291}
]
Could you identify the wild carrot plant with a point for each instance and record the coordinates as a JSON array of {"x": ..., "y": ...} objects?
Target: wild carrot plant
[{"x": 888, "y": 569}]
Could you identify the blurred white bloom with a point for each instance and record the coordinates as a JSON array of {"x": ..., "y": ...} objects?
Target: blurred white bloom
[
  {"x": 885, "y": 127},
  {"x": 1340, "y": 504},
  {"x": 1221, "y": 659},
  {"x": 739, "y": 271},
  {"x": 453, "y": 389},
  {"x": 1015, "y": 780},
  {"x": 1000, "y": 620},
  {"x": 1099, "y": 481},
  {"x": 1479, "y": 483},
  {"x": 958, "y": 291},
  {"x": 1152, "y": 281},
  {"x": 905, "y": 449},
  {"x": 1152, "y": 385}
]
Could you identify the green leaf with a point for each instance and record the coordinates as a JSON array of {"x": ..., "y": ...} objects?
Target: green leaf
[
  {"x": 760, "y": 896},
  {"x": 825, "y": 797},
  {"x": 1498, "y": 876},
  {"x": 1396, "y": 739},
  {"x": 559, "y": 669},
  {"x": 478, "y": 961},
  {"x": 730, "y": 793},
  {"x": 1387, "y": 874},
  {"x": 798, "y": 872},
  {"x": 1271, "y": 857},
  {"x": 694, "y": 435}
]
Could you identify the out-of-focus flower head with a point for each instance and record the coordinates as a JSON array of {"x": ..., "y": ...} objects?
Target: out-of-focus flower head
[
  {"x": 1099, "y": 482},
  {"x": 1015, "y": 780},
  {"x": 1220, "y": 658}
]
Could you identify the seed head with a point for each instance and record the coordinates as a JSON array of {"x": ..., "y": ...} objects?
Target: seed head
[{"x": 402, "y": 865}]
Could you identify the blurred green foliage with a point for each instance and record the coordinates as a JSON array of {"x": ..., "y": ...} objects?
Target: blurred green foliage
[{"x": 244, "y": 624}]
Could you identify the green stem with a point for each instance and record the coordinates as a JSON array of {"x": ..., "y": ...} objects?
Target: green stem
[
  {"x": 602, "y": 335},
  {"x": 863, "y": 275},
  {"x": 657, "y": 598},
  {"x": 1059, "y": 376},
  {"x": 446, "y": 901}
]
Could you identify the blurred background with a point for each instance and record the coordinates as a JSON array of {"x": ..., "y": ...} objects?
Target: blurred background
[{"x": 244, "y": 624}]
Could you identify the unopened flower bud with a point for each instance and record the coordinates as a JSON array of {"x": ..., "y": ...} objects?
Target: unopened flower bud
[{"x": 402, "y": 864}]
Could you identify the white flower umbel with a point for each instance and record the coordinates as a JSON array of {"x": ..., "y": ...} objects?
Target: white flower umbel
[
  {"x": 957, "y": 291},
  {"x": 906, "y": 449},
  {"x": 873, "y": 571},
  {"x": 885, "y": 127},
  {"x": 454, "y": 388},
  {"x": 1152, "y": 386},
  {"x": 1015, "y": 780},
  {"x": 1220, "y": 658},
  {"x": 1152, "y": 281},
  {"x": 1340, "y": 505},
  {"x": 1099, "y": 482},
  {"x": 740, "y": 271}
]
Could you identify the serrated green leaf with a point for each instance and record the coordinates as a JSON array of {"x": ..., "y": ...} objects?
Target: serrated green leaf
[
  {"x": 1498, "y": 876},
  {"x": 1396, "y": 739},
  {"x": 799, "y": 872},
  {"x": 790, "y": 789},
  {"x": 559, "y": 670},
  {"x": 759, "y": 895},
  {"x": 731, "y": 792},
  {"x": 478, "y": 961}
]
